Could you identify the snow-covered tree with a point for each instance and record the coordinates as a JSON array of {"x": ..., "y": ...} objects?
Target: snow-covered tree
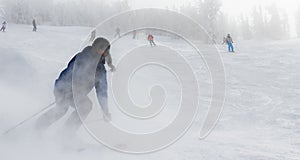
[
  {"x": 276, "y": 24},
  {"x": 259, "y": 26},
  {"x": 79, "y": 12},
  {"x": 298, "y": 21},
  {"x": 245, "y": 28},
  {"x": 16, "y": 10},
  {"x": 285, "y": 24},
  {"x": 2, "y": 12},
  {"x": 210, "y": 11},
  {"x": 270, "y": 23}
]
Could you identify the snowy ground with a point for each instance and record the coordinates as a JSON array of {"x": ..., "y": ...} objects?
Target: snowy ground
[{"x": 261, "y": 116}]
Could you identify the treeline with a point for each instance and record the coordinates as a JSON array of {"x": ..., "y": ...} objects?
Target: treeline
[
  {"x": 264, "y": 22},
  {"x": 67, "y": 12}
]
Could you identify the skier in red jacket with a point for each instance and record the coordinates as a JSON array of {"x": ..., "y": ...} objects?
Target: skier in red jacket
[{"x": 151, "y": 41}]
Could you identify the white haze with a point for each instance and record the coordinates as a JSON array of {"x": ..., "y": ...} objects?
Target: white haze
[
  {"x": 279, "y": 18},
  {"x": 261, "y": 116}
]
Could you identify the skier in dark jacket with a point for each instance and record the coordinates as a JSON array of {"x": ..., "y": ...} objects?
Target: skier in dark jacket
[
  {"x": 34, "y": 25},
  {"x": 118, "y": 32},
  {"x": 134, "y": 34},
  {"x": 85, "y": 70},
  {"x": 3, "y": 26},
  {"x": 93, "y": 35}
]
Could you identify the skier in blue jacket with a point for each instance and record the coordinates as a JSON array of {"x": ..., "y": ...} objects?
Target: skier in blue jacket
[
  {"x": 85, "y": 70},
  {"x": 229, "y": 42}
]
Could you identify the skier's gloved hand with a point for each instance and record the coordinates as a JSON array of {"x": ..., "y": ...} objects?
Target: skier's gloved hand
[{"x": 112, "y": 68}]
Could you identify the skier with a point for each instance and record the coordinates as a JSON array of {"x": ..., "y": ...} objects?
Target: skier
[
  {"x": 151, "y": 41},
  {"x": 85, "y": 70},
  {"x": 34, "y": 25},
  {"x": 118, "y": 32},
  {"x": 3, "y": 26},
  {"x": 229, "y": 42},
  {"x": 224, "y": 40},
  {"x": 93, "y": 35},
  {"x": 134, "y": 34}
]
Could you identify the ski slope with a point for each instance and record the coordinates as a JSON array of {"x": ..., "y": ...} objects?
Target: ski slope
[{"x": 260, "y": 120}]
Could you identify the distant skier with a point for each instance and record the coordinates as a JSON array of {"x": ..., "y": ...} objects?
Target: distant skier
[
  {"x": 85, "y": 70},
  {"x": 151, "y": 40},
  {"x": 93, "y": 35},
  {"x": 118, "y": 32},
  {"x": 229, "y": 42},
  {"x": 224, "y": 40},
  {"x": 34, "y": 25},
  {"x": 3, "y": 26},
  {"x": 134, "y": 34}
]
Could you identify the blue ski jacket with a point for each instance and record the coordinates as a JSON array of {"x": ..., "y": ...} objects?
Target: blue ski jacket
[{"x": 85, "y": 71}]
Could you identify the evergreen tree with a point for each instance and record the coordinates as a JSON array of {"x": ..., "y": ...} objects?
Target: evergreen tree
[
  {"x": 245, "y": 28},
  {"x": 276, "y": 27},
  {"x": 211, "y": 12},
  {"x": 298, "y": 21},
  {"x": 259, "y": 26}
]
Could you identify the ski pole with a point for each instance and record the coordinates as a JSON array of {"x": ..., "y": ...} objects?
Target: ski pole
[{"x": 29, "y": 118}]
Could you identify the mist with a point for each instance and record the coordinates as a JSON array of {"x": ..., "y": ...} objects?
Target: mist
[
  {"x": 265, "y": 20},
  {"x": 259, "y": 117}
]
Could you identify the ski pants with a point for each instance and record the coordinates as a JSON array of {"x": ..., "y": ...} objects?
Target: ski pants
[
  {"x": 2, "y": 29},
  {"x": 230, "y": 47},
  {"x": 63, "y": 102},
  {"x": 152, "y": 43}
]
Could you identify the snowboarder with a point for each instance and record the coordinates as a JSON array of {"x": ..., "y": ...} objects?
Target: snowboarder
[
  {"x": 229, "y": 42},
  {"x": 151, "y": 41},
  {"x": 118, "y": 31},
  {"x": 34, "y": 25},
  {"x": 3, "y": 26},
  {"x": 85, "y": 70},
  {"x": 93, "y": 35}
]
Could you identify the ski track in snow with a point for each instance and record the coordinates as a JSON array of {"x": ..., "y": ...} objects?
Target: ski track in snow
[{"x": 261, "y": 116}]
